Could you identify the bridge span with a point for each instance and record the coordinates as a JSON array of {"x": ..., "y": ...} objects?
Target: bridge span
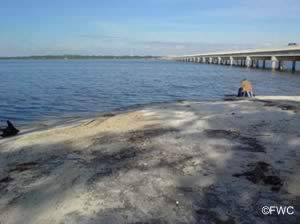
[{"x": 250, "y": 58}]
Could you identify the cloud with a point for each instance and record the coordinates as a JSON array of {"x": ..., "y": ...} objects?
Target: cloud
[{"x": 99, "y": 37}]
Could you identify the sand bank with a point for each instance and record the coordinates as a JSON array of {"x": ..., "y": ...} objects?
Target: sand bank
[{"x": 185, "y": 162}]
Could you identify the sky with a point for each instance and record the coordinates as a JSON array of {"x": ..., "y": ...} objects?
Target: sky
[{"x": 145, "y": 27}]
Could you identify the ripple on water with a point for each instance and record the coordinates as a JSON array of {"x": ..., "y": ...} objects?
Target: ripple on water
[{"x": 33, "y": 89}]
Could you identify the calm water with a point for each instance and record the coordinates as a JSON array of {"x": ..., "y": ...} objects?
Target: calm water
[{"x": 31, "y": 90}]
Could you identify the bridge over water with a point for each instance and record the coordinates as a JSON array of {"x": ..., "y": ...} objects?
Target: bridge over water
[{"x": 250, "y": 58}]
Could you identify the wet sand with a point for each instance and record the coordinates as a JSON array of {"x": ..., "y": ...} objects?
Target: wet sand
[{"x": 184, "y": 162}]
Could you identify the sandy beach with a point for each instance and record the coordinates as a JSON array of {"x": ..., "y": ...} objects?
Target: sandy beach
[{"x": 184, "y": 162}]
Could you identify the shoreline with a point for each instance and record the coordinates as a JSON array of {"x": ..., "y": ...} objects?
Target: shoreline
[
  {"x": 51, "y": 121},
  {"x": 63, "y": 120},
  {"x": 177, "y": 162}
]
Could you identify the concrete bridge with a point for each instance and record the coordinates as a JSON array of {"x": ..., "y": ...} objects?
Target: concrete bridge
[{"x": 251, "y": 58}]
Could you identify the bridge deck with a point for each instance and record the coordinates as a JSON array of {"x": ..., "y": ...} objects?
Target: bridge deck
[{"x": 249, "y": 58}]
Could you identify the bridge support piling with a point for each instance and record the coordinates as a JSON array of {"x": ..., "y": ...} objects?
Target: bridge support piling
[
  {"x": 257, "y": 63},
  {"x": 231, "y": 61},
  {"x": 241, "y": 62},
  {"x": 249, "y": 62},
  {"x": 293, "y": 66},
  {"x": 219, "y": 60},
  {"x": 264, "y": 64},
  {"x": 280, "y": 65},
  {"x": 276, "y": 64},
  {"x": 225, "y": 61}
]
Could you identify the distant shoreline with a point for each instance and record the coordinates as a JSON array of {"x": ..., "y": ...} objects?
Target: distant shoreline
[{"x": 70, "y": 57}]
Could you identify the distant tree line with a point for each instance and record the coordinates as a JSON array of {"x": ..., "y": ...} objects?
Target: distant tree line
[{"x": 66, "y": 57}]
